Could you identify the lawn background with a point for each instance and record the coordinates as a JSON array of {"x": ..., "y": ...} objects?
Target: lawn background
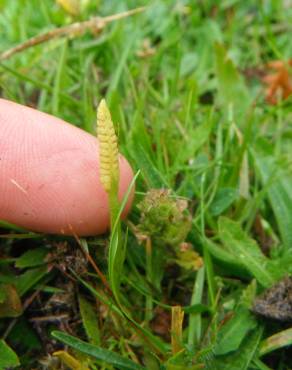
[{"x": 182, "y": 81}]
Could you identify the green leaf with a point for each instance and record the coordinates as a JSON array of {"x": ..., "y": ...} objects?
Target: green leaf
[
  {"x": 248, "y": 295},
  {"x": 222, "y": 256},
  {"x": 246, "y": 250},
  {"x": 279, "y": 193},
  {"x": 24, "y": 337},
  {"x": 32, "y": 258},
  {"x": 98, "y": 353},
  {"x": 9, "y": 226},
  {"x": 233, "y": 333},
  {"x": 195, "y": 320},
  {"x": 197, "y": 308},
  {"x": 89, "y": 320},
  {"x": 27, "y": 280},
  {"x": 223, "y": 200},
  {"x": 242, "y": 358},
  {"x": 232, "y": 90},
  {"x": 8, "y": 358}
]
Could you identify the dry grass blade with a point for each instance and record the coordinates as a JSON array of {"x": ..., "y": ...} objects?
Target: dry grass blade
[
  {"x": 94, "y": 25},
  {"x": 177, "y": 317},
  {"x": 70, "y": 361}
]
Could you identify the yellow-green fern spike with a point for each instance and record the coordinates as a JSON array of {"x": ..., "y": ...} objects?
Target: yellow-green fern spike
[{"x": 108, "y": 149}]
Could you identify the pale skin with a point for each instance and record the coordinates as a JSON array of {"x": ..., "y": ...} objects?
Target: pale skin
[{"x": 49, "y": 174}]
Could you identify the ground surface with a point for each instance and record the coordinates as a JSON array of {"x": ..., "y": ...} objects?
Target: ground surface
[{"x": 183, "y": 83}]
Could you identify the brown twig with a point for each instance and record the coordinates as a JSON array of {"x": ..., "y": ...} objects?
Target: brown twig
[{"x": 95, "y": 24}]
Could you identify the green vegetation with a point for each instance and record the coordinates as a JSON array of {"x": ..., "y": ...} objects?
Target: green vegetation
[{"x": 181, "y": 81}]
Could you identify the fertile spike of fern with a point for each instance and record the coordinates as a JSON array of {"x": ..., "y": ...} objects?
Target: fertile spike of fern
[{"x": 108, "y": 150}]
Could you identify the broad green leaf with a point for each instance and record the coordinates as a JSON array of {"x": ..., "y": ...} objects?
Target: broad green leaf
[
  {"x": 27, "y": 280},
  {"x": 246, "y": 250},
  {"x": 248, "y": 295},
  {"x": 8, "y": 358},
  {"x": 24, "y": 336},
  {"x": 234, "y": 331},
  {"x": 89, "y": 320},
  {"x": 98, "y": 353},
  {"x": 232, "y": 90},
  {"x": 223, "y": 257},
  {"x": 242, "y": 358},
  {"x": 223, "y": 199},
  {"x": 279, "y": 192},
  {"x": 32, "y": 258},
  {"x": 276, "y": 341}
]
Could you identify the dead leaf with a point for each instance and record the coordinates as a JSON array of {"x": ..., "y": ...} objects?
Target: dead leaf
[
  {"x": 70, "y": 361},
  {"x": 279, "y": 83},
  {"x": 276, "y": 302},
  {"x": 10, "y": 304},
  {"x": 177, "y": 317},
  {"x": 160, "y": 324},
  {"x": 146, "y": 50}
]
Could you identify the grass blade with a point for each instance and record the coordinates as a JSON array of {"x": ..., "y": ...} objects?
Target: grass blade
[
  {"x": 233, "y": 333},
  {"x": 279, "y": 194},
  {"x": 98, "y": 353},
  {"x": 89, "y": 320},
  {"x": 195, "y": 318},
  {"x": 8, "y": 358},
  {"x": 246, "y": 250},
  {"x": 276, "y": 341}
]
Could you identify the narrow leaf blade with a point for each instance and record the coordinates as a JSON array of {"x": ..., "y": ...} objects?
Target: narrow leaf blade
[{"x": 98, "y": 353}]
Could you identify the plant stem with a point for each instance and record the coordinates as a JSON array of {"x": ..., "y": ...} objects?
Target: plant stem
[
  {"x": 149, "y": 275},
  {"x": 195, "y": 322}
]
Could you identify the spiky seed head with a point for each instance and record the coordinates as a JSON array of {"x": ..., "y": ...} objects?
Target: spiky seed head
[{"x": 108, "y": 148}]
